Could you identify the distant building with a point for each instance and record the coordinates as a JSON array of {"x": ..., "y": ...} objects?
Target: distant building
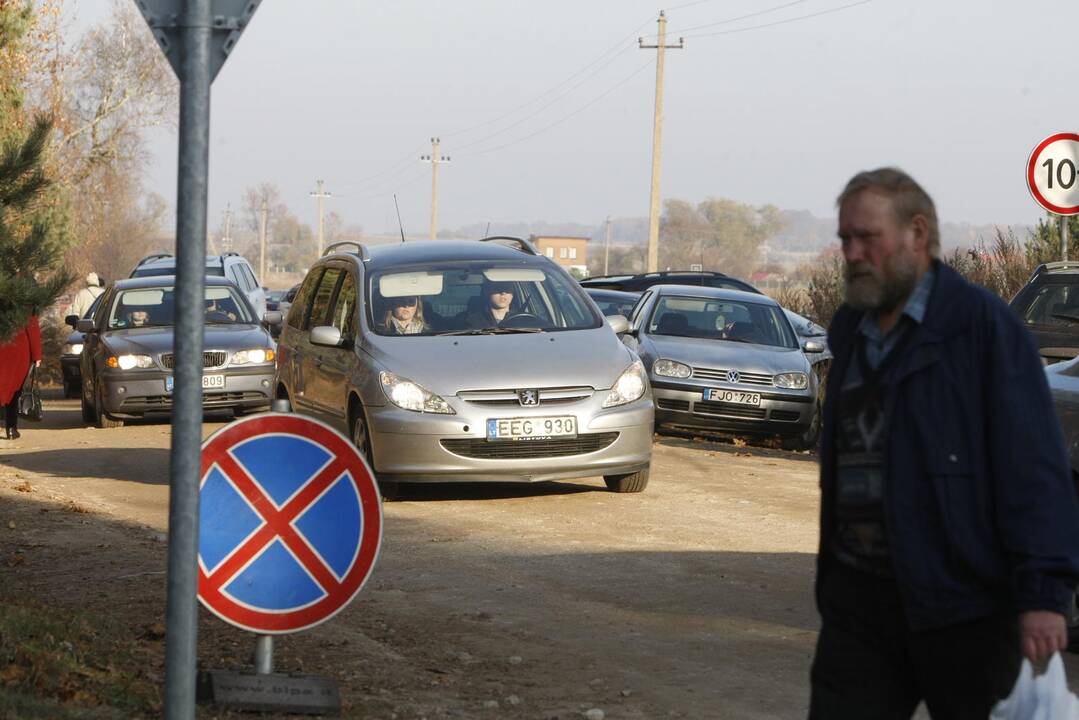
[{"x": 569, "y": 252}]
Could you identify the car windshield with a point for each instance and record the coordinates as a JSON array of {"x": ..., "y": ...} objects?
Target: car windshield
[
  {"x": 465, "y": 298},
  {"x": 728, "y": 320},
  {"x": 1054, "y": 304},
  {"x": 155, "y": 307}
]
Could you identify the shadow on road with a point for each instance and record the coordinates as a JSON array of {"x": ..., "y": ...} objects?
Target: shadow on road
[
  {"x": 143, "y": 465},
  {"x": 727, "y": 446},
  {"x": 426, "y": 492}
]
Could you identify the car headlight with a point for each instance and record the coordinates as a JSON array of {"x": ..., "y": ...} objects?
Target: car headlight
[
  {"x": 629, "y": 386},
  {"x": 130, "y": 362},
  {"x": 791, "y": 381},
  {"x": 670, "y": 368},
  {"x": 256, "y": 356},
  {"x": 72, "y": 349},
  {"x": 408, "y": 395}
]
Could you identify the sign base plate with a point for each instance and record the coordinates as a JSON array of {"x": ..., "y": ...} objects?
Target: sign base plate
[{"x": 276, "y": 692}]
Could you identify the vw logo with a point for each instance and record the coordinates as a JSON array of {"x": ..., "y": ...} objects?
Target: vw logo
[
  {"x": 528, "y": 398},
  {"x": 733, "y": 376}
]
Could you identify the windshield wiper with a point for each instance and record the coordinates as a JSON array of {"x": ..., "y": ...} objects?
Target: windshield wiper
[
  {"x": 1065, "y": 316},
  {"x": 492, "y": 331}
]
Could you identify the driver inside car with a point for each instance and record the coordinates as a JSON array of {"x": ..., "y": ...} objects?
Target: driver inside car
[{"x": 497, "y": 300}]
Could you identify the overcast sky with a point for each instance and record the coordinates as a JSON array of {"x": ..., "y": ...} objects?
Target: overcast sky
[{"x": 956, "y": 92}]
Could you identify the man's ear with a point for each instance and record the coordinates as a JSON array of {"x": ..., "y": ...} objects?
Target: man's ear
[{"x": 919, "y": 228}]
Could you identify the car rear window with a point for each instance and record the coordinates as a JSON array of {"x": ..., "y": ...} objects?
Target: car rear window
[{"x": 1054, "y": 304}]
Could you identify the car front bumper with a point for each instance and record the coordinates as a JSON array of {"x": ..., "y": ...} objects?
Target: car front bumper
[
  {"x": 682, "y": 405},
  {"x": 137, "y": 392},
  {"x": 424, "y": 447}
]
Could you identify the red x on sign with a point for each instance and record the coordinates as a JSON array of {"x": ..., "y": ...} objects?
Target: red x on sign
[{"x": 290, "y": 523}]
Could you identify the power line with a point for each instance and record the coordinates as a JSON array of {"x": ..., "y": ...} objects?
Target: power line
[
  {"x": 555, "y": 88},
  {"x": 564, "y": 118},
  {"x": 404, "y": 162},
  {"x": 728, "y": 21},
  {"x": 829, "y": 11},
  {"x": 687, "y": 4}
]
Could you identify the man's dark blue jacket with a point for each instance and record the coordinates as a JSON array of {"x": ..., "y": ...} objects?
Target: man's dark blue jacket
[{"x": 980, "y": 509}]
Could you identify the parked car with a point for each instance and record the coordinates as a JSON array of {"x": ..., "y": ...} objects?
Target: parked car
[
  {"x": 128, "y": 355},
  {"x": 643, "y": 281},
  {"x": 614, "y": 302},
  {"x": 549, "y": 393},
  {"x": 725, "y": 360},
  {"x": 1063, "y": 380},
  {"x": 72, "y": 351},
  {"x": 229, "y": 265},
  {"x": 1049, "y": 305},
  {"x": 274, "y": 298}
]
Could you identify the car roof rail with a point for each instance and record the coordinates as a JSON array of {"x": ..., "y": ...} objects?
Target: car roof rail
[
  {"x": 360, "y": 247},
  {"x": 514, "y": 242},
  {"x": 151, "y": 258},
  {"x": 230, "y": 253},
  {"x": 1060, "y": 265}
]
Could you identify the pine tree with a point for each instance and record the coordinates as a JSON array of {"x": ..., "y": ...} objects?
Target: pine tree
[{"x": 32, "y": 232}]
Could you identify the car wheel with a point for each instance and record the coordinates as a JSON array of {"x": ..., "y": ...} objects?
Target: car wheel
[
  {"x": 69, "y": 389},
  {"x": 102, "y": 420},
  {"x": 629, "y": 483},
  {"x": 389, "y": 490},
  {"x": 807, "y": 440},
  {"x": 88, "y": 415}
]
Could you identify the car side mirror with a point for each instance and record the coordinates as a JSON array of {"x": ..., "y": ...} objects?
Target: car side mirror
[
  {"x": 273, "y": 317},
  {"x": 85, "y": 325},
  {"x": 326, "y": 335},
  {"x": 814, "y": 346},
  {"x": 618, "y": 323},
  {"x": 71, "y": 320}
]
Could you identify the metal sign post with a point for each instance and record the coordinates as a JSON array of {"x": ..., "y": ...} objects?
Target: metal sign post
[{"x": 196, "y": 36}]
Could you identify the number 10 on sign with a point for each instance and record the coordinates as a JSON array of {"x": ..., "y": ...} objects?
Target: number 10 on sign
[{"x": 1053, "y": 173}]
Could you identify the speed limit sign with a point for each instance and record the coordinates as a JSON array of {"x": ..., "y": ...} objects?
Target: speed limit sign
[{"x": 1053, "y": 173}]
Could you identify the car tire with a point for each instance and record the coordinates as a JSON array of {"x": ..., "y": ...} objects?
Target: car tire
[
  {"x": 809, "y": 439},
  {"x": 70, "y": 389},
  {"x": 628, "y": 483},
  {"x": 101, "y": 419},
  {"x": 88, "y": 415},
  {"x": 387, "y": 489}
]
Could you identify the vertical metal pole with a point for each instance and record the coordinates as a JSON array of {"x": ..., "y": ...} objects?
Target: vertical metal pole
[
  {"x": 263, "y": 212},
  {"x": 434, "y": 187},
  {"x": 607, "y": 247},
  {"x": 264, "y": 654},
  {"x": 181, "y": 639},
  {"x": 1063, "y": 237},
  {"x": 321, "y": 195}
]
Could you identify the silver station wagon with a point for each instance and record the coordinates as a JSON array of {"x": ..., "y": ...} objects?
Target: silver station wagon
[
  {"x": 726, "y": 360},
  {"x": 466, "y": 361}
]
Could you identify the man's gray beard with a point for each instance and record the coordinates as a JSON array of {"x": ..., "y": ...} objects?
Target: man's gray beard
[{"x": 882, "y": 294}]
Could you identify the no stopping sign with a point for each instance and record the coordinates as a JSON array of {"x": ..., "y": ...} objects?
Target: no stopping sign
[{"x": 1053, "y": 173}]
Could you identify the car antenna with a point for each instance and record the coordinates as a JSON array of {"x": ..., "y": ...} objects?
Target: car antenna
[
  {"x": 400, "y": 226},
  {"x": 487, "y": 232}
]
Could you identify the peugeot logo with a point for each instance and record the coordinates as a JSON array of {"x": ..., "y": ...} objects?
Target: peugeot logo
[
  {"x": 528, "y": 398},
  {"x": 733, "y": 376}
]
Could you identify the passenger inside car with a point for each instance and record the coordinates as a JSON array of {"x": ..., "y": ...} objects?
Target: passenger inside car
[{"x": 404, "y": 316}]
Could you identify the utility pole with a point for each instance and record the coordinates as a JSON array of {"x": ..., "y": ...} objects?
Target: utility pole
[
  {"x": 264, "y": 212},
  {"x": 226, "y": 239},
  {"x": 661, "y": 48},
  {"x": 320, "y": 194},
  {"x": 435, "y": 159},
  {"x": 607, "y": 247}
]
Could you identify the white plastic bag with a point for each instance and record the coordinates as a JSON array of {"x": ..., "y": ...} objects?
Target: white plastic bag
[{"x": 1045, "y": 697}]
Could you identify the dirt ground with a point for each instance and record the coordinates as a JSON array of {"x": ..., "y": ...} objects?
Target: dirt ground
[{"x": 690, "y": 600}]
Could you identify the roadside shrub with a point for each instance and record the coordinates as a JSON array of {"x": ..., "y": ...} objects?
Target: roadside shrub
[{"x": 1003, "y": 268}]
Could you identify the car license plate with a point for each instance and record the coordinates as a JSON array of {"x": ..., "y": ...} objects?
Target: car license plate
[
  {"x": 733, "y": 396},
  {"x": 533, "y": 428},
  {"x": 209, "y": 382}
]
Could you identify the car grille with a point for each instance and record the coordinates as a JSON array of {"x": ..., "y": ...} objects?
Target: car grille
[
  {"x": 785, "y": 415},
  {"x": 731, "y": 409},
  {"x": 210, "y": 359},
  {"x": 680, "y": 405},
  {"x": 527, "y": 449},
  {"x": 745, "y": 378},
  {"x": 547, "y": 396},
  {"x": 164, "y": 402}
]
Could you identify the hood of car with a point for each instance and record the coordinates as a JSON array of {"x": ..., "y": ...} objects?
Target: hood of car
[
  {"x": 450, "y": 364},
  {"x": 156, "y": 340},
  {"x": 726, "y": 355}
]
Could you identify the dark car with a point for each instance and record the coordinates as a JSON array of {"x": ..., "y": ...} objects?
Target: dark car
[
  {"x": 1049, "y": 306},
  {"x": 614, "y": 302},
  {"x": 643, "y": 281},
  {"x": 71, "y": 352},
  {"x": 128, "y": 355},
  {"x": 1063, "y": 380}
]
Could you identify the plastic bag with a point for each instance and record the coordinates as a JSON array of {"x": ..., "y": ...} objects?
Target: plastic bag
[
  {"x": 30, "y": 399},
  {"x": 1045, "y": 697}
]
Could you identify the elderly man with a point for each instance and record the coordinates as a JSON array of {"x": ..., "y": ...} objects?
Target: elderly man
[{"x": 949, "y": 540}]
